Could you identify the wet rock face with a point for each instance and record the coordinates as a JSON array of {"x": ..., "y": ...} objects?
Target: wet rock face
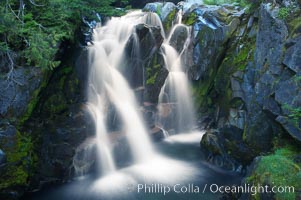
[
  {"x": 61, "y": 122},
  {"x": 212, "y": 27},
  {"x": 274, "y": 87},
  {"x": 19, "y": 92},
  {"x": 256, "y": 84},
  {"x": 42, "y": 122},
  {"x": 179, "y": 38},
  {"x": 17, "y": 89},
  {"x": 292, "y": 57},
  {"x": 288, "y": 96},
  {"x": 226, "y": 148},
  {"x": 145, "y": 68},
  {"x": 167, "y": 9}
]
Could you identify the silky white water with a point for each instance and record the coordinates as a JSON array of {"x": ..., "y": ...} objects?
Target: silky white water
[
  {"x": 177, "y": 164},
  {"x": 107, "y": 85},
  {"x": 176, "y": 89}
]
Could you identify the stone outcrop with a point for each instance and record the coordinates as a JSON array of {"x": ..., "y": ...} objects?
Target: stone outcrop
[
  {"x": 247, "y": 78},
  {"x": 20, "y": 87}
]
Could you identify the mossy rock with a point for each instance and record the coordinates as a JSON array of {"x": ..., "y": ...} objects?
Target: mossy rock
[
  {"x": 190, "y": 18},
  {"x": 56, "y": 104},
  {"x": 295, "y": 26},
  {"x": 278, "y": 169},
  {"x": 168, "y": 22},
  {"x": 21, "y": 161}
]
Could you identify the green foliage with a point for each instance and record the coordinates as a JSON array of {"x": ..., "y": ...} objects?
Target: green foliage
[
  {"x": 167, "y": 23},
  {"x": 152, "y": 74},
  {"x": 294, "y": 113},
  {"x": 279, "y": 169},
  {"x": 284, "y": 13},
  {"x": 158, "y": 11},
  {"x": 245, "y": 54},
  {"x": 36, "y": 30}
]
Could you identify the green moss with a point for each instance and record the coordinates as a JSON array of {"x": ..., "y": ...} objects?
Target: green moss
[
  {"x": 158, "y": 11},
  {"x": 67, "y": 70},
  {"x": 34, "y": 99},
  {"x": 244, "y": 55},
  {"x": 294, "y": 114},
  {"x": 169, "y": 19},
  {"x": 56, "y": 104},
  {"x": 151, "y": 80},
  {"x": 201, "y": 92},
  {"x": 284, "y": 12},
  {"x": 294, "y": 26},
  {"x": 152, "y": 71},
  {"x": 235, "y": 60},
  {"x": 22, "y": 161},
  {"x": 190, "y": 19},
  {"x": 278, "y": 169}
]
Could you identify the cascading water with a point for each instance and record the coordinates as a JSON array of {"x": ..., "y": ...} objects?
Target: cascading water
[
  {"x": 177, "y": 164},
  {"x": 107, "y": 84},
  {"x": 175, "y": 94}
]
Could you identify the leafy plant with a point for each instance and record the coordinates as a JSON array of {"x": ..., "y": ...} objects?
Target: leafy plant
[
  {"x": 284, "y": 13},
  {"x": 36, "y": 29}
]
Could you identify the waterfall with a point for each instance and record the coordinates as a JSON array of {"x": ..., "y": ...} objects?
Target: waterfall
[
  {"x": 175, "y": 93},
  {"x": 108, "y": 86}
]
